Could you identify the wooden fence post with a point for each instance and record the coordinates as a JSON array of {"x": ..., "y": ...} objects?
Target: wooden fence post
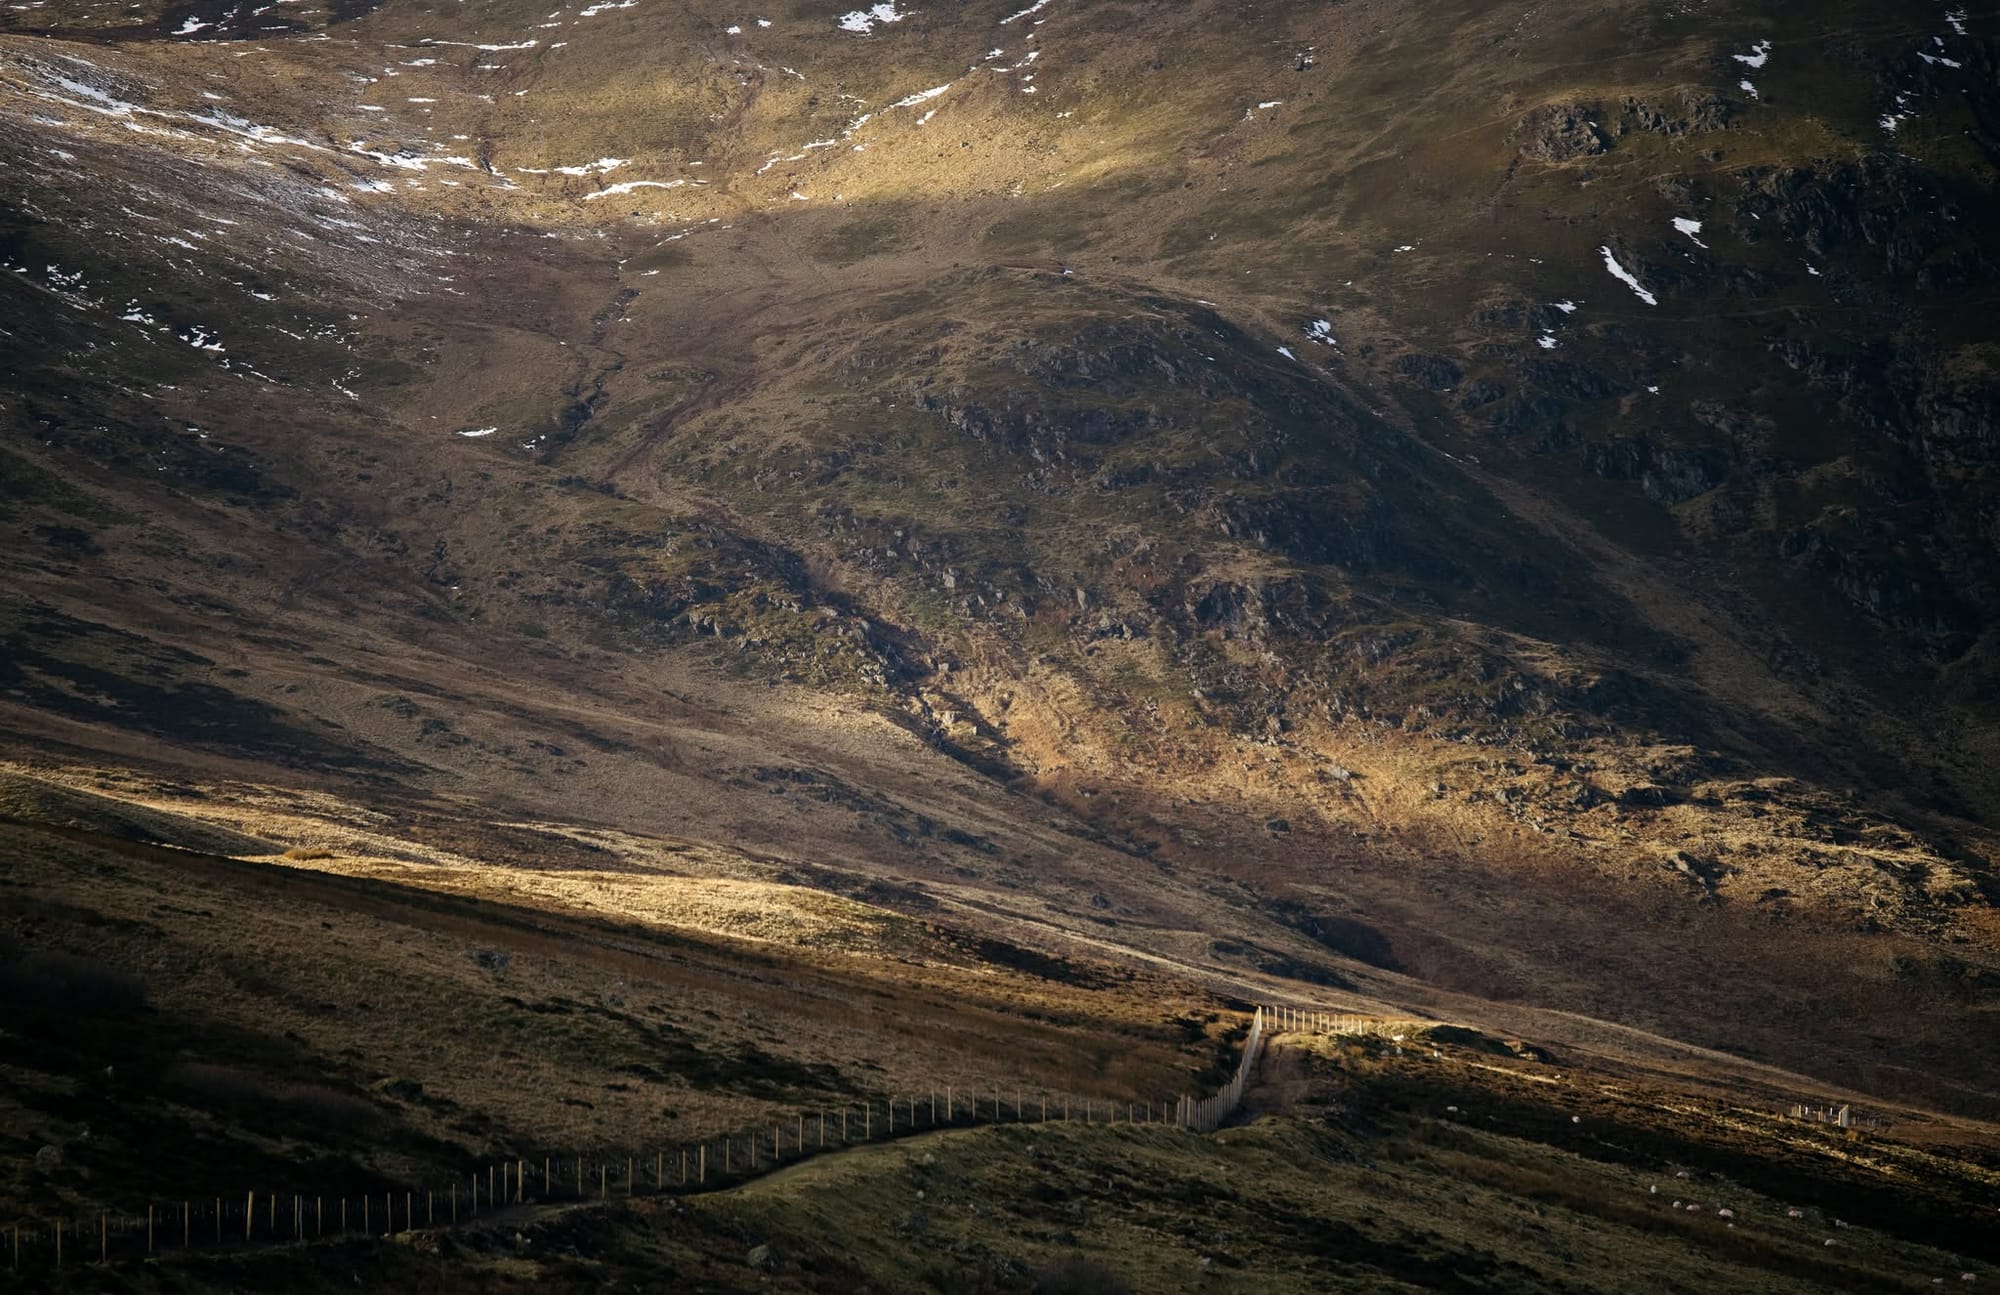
[
  {"x": 454, "y": 1208},
  {"x": 727, "y": 1168},
  {"x": 703, "y": 1180},
  {"x": 430, "y": 1207},
  {"x": 603, "y": 1183},
  {"x": 59, "y": 1243},
  {"x": 149, "y": 1229},
  {"x": 249, "y": 1213},
  {"x": 628, "y": 1176},
  {"x": 546, "y": 1166},
  {"x": 103, "y": 1238}
]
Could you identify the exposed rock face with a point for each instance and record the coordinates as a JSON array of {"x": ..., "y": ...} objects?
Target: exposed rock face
[
  {"x": 1479, "y": 392},
  {"x": 1668, "y": 476},
  {"x": 1902, "y": 217},
  {"x": 1562, "y": 133},
  {"x": 1856, "y": 557},
  {"x": 1432, "y": 372},
  {"x": 1690, "y": 112}
]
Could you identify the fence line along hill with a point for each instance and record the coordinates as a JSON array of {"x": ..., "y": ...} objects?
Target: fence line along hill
[{"x": 261, "y": 1217}]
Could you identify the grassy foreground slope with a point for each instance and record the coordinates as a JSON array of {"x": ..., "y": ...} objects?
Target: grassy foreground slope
[
  {"x": 1447, "y": 1165},
  {"x": 182, "y": 1025}
]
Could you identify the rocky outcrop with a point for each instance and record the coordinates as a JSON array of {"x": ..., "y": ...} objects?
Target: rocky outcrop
[
  {"x": 1691, "y": 112},
  {"x": 1898, "y": 214},
  {"x": 1562, "y": 132},
  {"x": 1431, "y": 372},
  {"x": 1863, "y": 560},
  {"x": 1665, "y": 474}
]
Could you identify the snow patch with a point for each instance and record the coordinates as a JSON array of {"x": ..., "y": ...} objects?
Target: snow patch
[
  {"x": 1036, "y": 7},
  {"x": 864, "y": 21},
  {"x": 95, "y": 100},
  {"x": 466, "y": 44},
  {"x": 921, "y": 96},
  {"x": 1692, "y": 228},
  {"x": 601, "y": 164},
  {"x": 1626, "y": 277},
  {"x": 1759, "y": 55},
  {"x": 1889, "y": 121},
  {"x": 629, "y": 185}
]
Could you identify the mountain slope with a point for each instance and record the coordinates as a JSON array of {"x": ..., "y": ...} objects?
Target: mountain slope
[{"x": 1434, "y": 501}]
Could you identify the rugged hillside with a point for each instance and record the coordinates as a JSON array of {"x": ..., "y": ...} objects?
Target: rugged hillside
[{"x": 1440, "y": 502}]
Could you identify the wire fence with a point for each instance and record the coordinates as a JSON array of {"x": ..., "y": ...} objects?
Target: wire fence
[
  {"x": 1311, "y": 1020},
  {"x": 68, "y": 1235},
  {"x": 1843, "y": 1116},
  {"x": 1206, "y": 1114}
]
